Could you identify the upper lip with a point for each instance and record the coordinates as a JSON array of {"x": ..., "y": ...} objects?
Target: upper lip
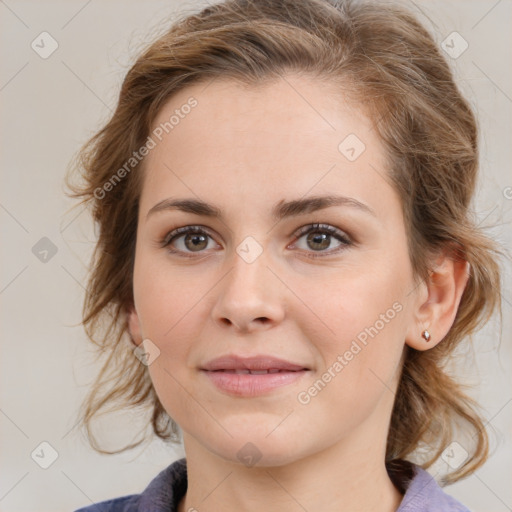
[{"x": 264, "y": 362}]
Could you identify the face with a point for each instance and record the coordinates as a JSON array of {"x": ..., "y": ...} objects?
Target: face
[{"x": 325, "y": 286}]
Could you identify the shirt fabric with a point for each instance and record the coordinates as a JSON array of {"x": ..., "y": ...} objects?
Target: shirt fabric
[{"x": 165, "y": 491}]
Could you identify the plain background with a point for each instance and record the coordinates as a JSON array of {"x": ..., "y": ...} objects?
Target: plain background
[{"x": 49, "y": 108}]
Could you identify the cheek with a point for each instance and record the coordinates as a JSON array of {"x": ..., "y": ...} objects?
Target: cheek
[
  {"x": 352, "y": 303},
  {"x": 357, "y": 322},
  {"x": 167, "y": 300},
  {"x": 172, "y": 308}
]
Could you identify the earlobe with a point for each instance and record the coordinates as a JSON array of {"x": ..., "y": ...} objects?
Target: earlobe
[
  {"x": 434, "y": 316},
  {"x": 134, "y": 326}
]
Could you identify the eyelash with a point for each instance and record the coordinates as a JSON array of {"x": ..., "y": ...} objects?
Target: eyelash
[{"x": 323, "y": 228}]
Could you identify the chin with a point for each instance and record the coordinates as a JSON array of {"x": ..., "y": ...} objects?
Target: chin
[{"x": 253, "y": 451}]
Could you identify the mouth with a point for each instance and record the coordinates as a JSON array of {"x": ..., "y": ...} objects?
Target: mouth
[
  {"x": 253, "y": 376},
  {"x": 253, "y": 364},
  {"x": 248, "y": 384},
  {"x": 255, "y": 372}
]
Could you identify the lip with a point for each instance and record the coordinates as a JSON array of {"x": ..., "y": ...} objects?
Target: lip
[
  {"x": 247, "y": 385},
  {"x": 230, "y": 374},
  {"x": 263, "y": 362}
]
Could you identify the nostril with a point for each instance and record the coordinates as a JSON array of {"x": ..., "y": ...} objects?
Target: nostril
[{"x": 261, "y": 319}]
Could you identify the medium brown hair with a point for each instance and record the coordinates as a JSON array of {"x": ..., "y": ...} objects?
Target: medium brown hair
[{"x": 387, "y": 61}]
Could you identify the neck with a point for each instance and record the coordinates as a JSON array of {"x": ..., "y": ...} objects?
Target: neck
[{"x": 330, "y": 480}]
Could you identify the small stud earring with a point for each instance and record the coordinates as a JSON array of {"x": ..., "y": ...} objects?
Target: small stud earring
[{"x": 426, "y": 335}]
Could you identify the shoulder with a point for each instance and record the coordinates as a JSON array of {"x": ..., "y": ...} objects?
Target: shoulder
[
  {"x": 423, "y": 494},
  {"x": 124, "y": 504},
  {"x": 163, "y": 493}
]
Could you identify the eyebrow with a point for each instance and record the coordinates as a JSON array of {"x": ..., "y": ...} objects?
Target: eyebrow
[{"x": 283, "y": 209}]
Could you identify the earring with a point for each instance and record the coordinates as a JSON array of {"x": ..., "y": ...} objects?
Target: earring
[{"x": 426, "y": 335}]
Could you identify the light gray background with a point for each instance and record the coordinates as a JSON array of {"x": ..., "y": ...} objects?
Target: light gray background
[{"x": 49, "y": 108}]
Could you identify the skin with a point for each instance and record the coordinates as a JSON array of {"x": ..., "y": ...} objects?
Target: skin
[{"x": 244, "y": 150}]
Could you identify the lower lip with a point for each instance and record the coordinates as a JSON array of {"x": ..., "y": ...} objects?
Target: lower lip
[{"x": 245, "y": 384}]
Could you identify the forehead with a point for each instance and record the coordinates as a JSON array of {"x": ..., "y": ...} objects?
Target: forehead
[{"x": 272, "y": 141}]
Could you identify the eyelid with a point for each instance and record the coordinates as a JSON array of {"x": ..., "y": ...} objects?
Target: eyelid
[
  {"x": 319, "y": 226},
  {"x": 184, "y": 230}
]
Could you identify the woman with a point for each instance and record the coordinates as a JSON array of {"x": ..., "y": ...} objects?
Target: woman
[{"x": 286, "y": 259}]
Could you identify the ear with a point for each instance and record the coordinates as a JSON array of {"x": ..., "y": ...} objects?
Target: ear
[
  {"x": 438, "y": 301},
  {"x": 134, "y": 328}
]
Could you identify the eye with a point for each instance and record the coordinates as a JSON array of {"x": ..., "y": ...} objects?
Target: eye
[
  {"x": 188, "y": 239},
  {"x": 319, "y": 237}
]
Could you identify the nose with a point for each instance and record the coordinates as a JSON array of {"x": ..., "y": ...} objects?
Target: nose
[{"x": 250, "y": 297}]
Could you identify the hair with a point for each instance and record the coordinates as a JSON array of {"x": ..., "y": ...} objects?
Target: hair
[{"x": 382, "y": 57}]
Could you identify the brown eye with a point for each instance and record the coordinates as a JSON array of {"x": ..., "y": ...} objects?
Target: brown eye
[
  {"x": 187, "y": 240},
  {"x": 318, "y": 241},
  {"x": 318, "y": 238},
  {"x": 195, "y": 242}
]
